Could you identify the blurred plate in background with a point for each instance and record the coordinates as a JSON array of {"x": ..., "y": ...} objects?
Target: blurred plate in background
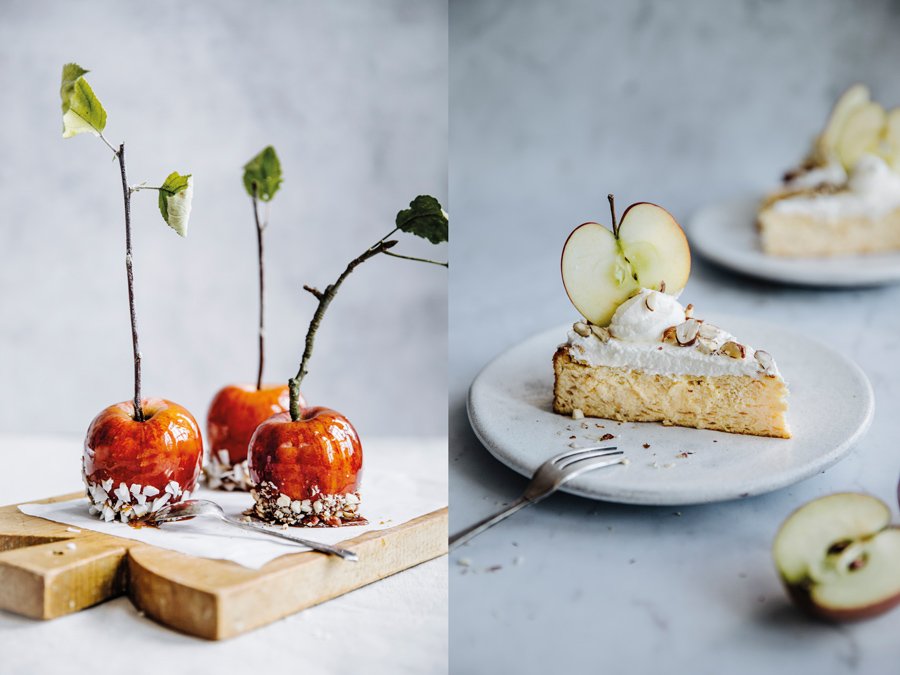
[{"x": 725, "y": 233}]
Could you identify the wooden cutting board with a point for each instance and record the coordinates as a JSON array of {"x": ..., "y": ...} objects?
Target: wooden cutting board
[{"x": 43, "y": 578}]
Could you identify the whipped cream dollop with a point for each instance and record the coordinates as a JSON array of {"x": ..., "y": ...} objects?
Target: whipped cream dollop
[
  {"x": 872, "y": 189},
  {"x": 636, "y": 342},
  {"x": 635, "y": 321},
  {"x": 831, "y": 174}
]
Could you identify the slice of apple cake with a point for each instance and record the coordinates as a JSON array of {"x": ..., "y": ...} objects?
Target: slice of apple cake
[
  {"x": 656, "y": 363},
  {"x": 844, "y": 199}
]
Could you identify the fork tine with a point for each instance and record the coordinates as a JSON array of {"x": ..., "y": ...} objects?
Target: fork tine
[
  {"x": 578, "y": 451},
  {"x": 575, "y": 460},
  {"x": 581, "y": 466}
]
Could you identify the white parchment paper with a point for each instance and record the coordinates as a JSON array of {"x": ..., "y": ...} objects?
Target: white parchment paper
[{"x": 397, "y": 486}]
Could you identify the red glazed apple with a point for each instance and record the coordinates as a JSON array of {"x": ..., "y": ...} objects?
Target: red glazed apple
[
  {"x": 141, "y": 454},
  {"x": 233, "y": 416},
  {"x": 307, "y": 472},
  {"x": 132, "y": 468}
]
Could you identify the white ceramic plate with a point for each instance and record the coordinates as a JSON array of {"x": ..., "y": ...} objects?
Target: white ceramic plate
[
  {"x": 726, "y": 234},
  {"x": 831, "y": 407}
]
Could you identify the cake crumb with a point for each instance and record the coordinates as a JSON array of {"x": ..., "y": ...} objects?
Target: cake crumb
[
  {"x": 577, "y": 414},
  {"x": 684, "y": 455},
  {"x": 646, "y": 445},
  {"x": 73, "y": 529},
  {"x": 494, "y": 568},
  {"x": 625, "y": 461},
  {"x": 606, "y": 437},
  {"x": 71, "y": 546}
]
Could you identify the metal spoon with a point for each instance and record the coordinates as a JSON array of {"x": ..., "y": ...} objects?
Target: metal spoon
[{"x": 204, "y": 507}]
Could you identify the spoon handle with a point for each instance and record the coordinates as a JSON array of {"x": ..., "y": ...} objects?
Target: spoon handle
[{"x": 316, "y": 546}]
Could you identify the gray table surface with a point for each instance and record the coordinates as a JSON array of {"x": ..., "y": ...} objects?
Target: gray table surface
[{"x": 552, "y": 107}]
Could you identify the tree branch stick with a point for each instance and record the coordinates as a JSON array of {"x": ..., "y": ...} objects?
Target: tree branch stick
[
  {"x": 315, "y": 291},
  {"x": 325, "y": 298},
  {"x": 262, "y": 286},
  {"x": 126, "y": 193}
]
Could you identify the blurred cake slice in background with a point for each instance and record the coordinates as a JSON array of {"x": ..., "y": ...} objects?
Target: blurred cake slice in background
[{"x": 844, "y": 198}]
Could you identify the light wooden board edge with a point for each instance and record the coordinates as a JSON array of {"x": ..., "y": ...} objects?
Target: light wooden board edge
[
  {"x": 42, "y": 578},
  {"x": 230, "y": 600}
]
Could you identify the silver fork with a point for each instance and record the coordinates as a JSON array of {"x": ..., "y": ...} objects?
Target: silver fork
[
  {"x": 550, "y": 475},
  {"x": 204, "y": 507}
]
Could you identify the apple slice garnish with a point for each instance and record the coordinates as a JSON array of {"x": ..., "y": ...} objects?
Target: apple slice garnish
[
  {"x": 861, "y": 134},
  {"x": 602, "y": 268},
  {"x": 892, "y": 138},
  {"x": 839, "y": 558},
  {"x": 856, "y": 96}
]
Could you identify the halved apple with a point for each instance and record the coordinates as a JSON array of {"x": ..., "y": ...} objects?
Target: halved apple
[
  {"x": 892, "y": 138},
  {"x": 856, "y": 96},
  {"x": 838, "y": 557},
  {"x": 861, "y": 133},
  {"x": 602, "y": 268}
]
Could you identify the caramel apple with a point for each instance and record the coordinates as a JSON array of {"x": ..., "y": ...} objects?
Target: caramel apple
[
  {"x": 132, "y": 468},
  {"x": 307, "y": 472},
  {"x": 145, "y": 453},
  {"x": 305, "y": 464},
  {"x": 233, "y": 416},
  {"x": 237, "y": 410}
]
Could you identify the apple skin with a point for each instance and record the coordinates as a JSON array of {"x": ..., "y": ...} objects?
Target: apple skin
[
  {"x": 320, "y": 450},
  {"x": 166, "y": 446},
  {"x": 236, "y": 411}
]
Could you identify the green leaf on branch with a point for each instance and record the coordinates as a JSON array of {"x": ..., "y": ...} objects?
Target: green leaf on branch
[
  {"x": 82, "y": 110},
  {"x": 263, "y": 172},
  {"x": 175, "y": 195},
  {"x": 424, "y": 218}
]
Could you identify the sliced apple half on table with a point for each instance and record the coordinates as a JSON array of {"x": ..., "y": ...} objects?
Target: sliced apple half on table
[
  {"x": 839, "y": 558},
  {"x": 602, "y": 268}
]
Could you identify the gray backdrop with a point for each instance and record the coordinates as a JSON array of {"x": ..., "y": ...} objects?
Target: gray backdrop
[
  {"x": 552, "y": 106},
  {"x": 354, "y": 97}
]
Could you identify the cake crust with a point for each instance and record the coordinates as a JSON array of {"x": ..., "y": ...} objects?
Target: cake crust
[{"x": 732, "y": 403}]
